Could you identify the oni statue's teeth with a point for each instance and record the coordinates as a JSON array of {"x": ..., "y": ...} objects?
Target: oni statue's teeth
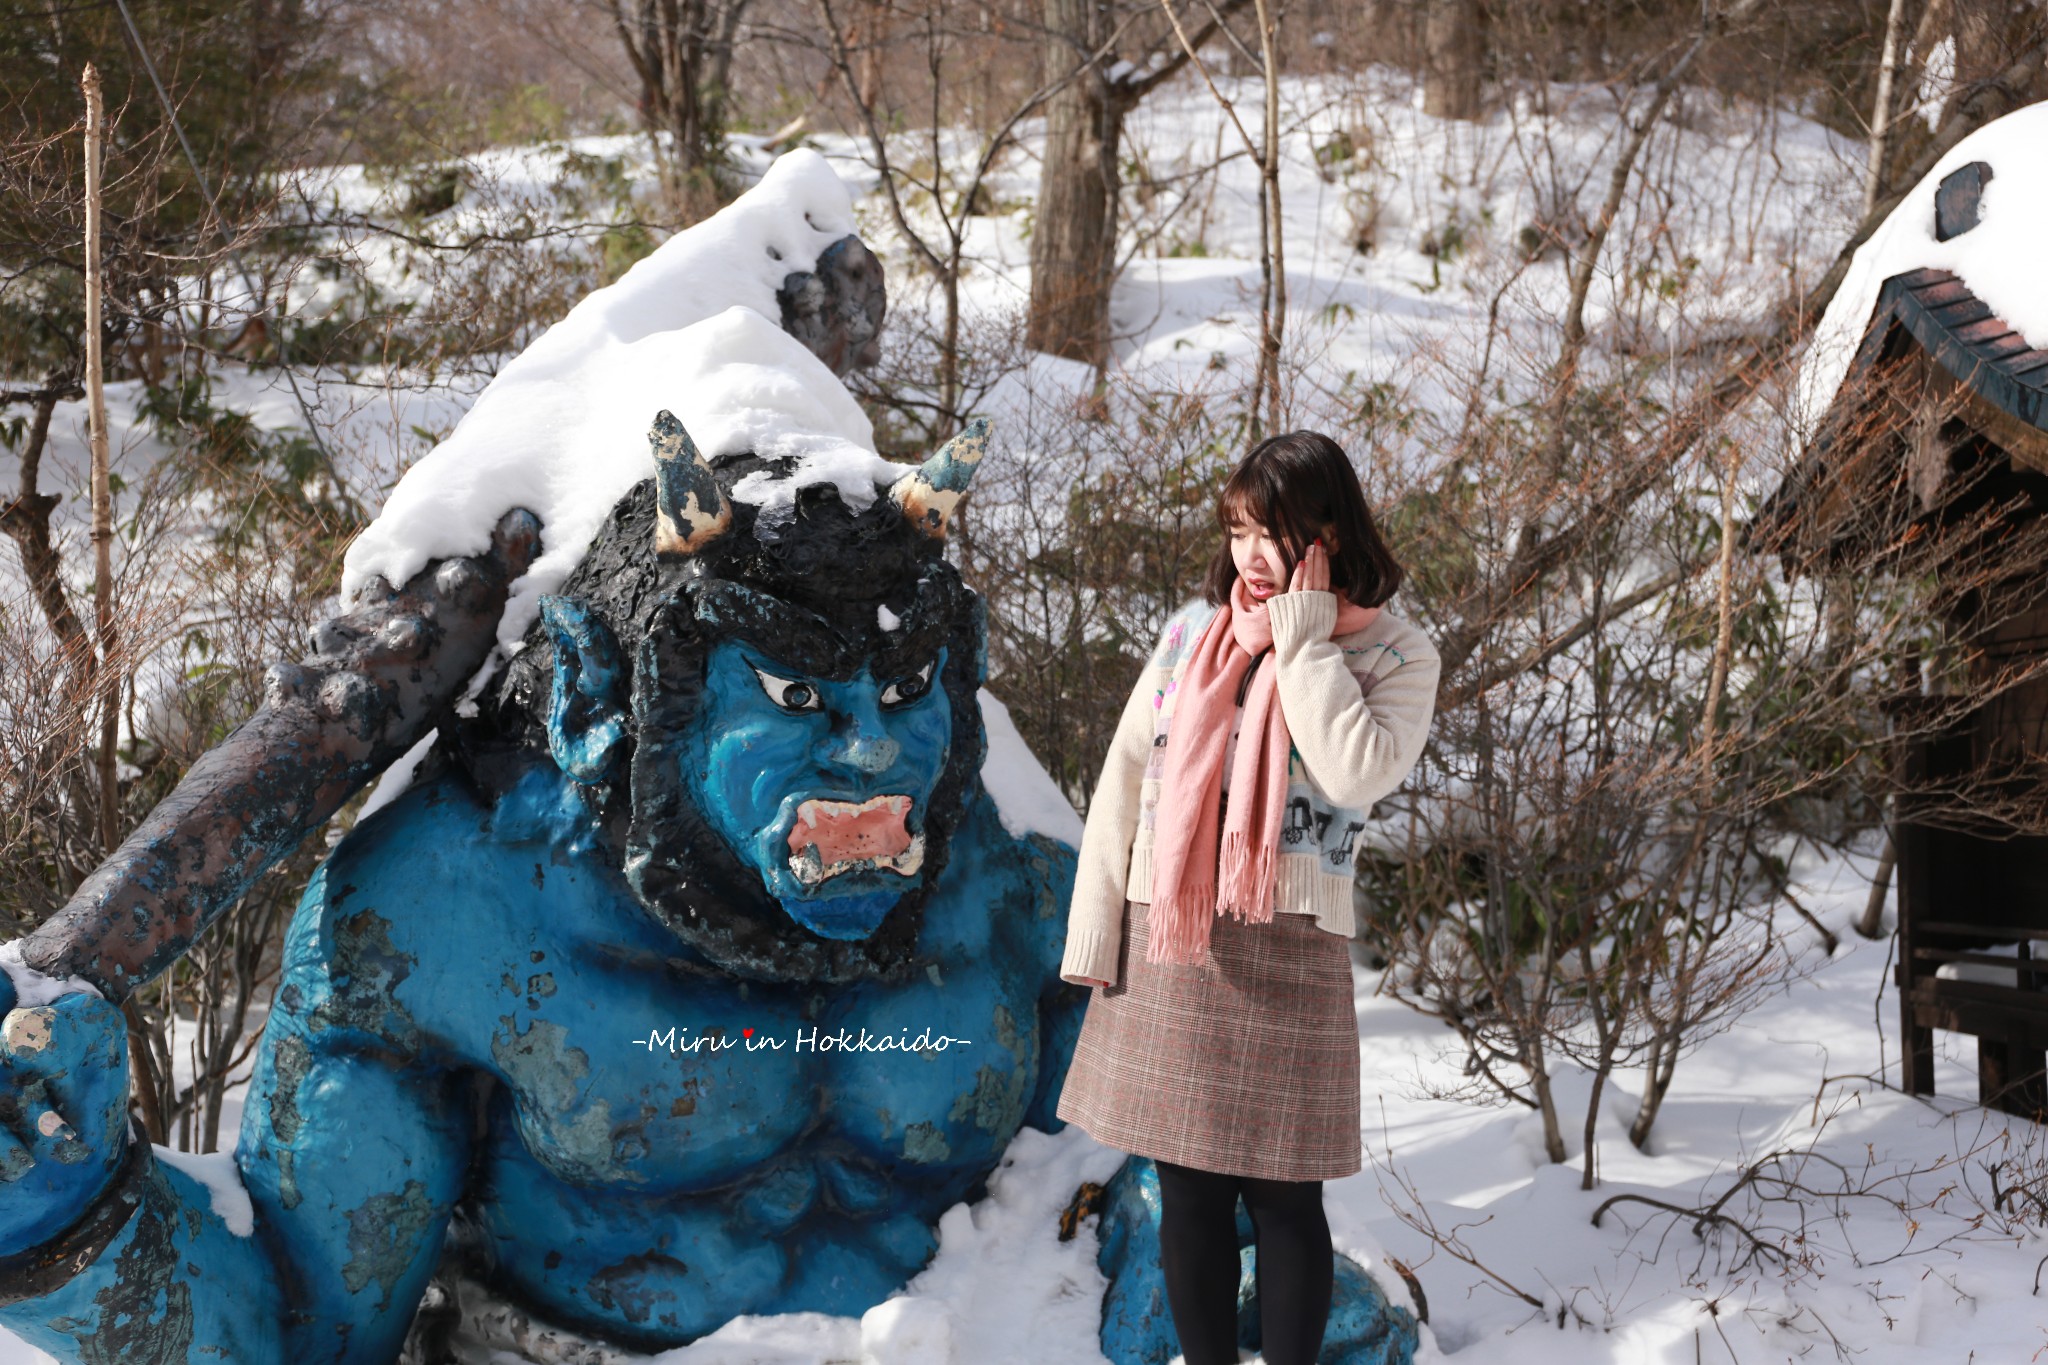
[
  {"x": 811, "y": 868},
  {"x": 828, "y": 837}
]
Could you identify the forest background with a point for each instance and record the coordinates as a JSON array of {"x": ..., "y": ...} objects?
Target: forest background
[{"x": 1546, "y": 269}]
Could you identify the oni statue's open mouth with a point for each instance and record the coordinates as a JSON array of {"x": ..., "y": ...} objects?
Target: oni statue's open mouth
[{"x": 831, "y": 838}]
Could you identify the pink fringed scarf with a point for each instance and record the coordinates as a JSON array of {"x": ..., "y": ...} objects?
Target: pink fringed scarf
[{"x": 1186, "y": 888}]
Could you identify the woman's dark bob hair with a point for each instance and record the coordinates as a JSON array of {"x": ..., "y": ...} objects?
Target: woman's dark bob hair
[{"x": 1295, "y": 485}]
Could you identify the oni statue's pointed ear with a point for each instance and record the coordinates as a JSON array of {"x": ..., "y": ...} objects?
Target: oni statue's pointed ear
[
  {"x": 587, "y": 714},
  {"x": 929, "y": 493},
  {"x": 690, "y": 512}
]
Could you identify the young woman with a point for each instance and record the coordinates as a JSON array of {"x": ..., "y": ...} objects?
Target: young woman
[{"x": 1212, "y": 907}]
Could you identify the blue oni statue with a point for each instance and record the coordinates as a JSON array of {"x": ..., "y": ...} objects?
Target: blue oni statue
[{"x": 578, "y": 1049}]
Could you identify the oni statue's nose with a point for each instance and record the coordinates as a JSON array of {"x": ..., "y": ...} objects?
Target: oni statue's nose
[{"x": 858, "y": 742}]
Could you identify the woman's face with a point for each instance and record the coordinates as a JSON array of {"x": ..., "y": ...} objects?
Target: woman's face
[{"x": 1260, "y": 561}]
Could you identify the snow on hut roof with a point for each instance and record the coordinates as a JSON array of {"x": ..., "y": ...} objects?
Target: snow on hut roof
[
  {"x": 1997, "y": 257},
  {"x": 562, "y": 429}
]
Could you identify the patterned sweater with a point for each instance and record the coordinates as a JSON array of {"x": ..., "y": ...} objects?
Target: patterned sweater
[{"x": 1358, "y": 709}]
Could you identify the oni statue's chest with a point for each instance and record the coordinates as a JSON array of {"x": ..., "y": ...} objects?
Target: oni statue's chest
[{"x": 648, "y": 1082}]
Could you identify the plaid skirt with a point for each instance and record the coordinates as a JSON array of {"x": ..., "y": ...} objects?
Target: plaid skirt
[{"x": 1245, "y": 1063}]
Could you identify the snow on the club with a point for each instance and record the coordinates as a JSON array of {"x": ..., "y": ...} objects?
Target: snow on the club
[
  {"x": 32, "y": 988},
  {"x": 694, "y": 328},
  {"x": 2000, "y": 259}
]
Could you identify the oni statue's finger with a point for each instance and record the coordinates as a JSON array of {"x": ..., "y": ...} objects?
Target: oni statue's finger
[
  {"x": 49, "y": 1136},
  {"x": 64, "y": 1066},
  {"x": 63, "y": 1113}
]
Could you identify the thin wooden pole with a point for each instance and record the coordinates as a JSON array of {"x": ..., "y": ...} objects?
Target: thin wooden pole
[
  {"x": 102, "y": 498},
  {"x": 1276, "y": 252},
  {"x": 143, "y": 1080}
]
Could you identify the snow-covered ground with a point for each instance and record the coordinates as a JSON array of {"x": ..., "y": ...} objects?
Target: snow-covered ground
[
  {"x": 1917, "y": 1269},
  {"x": 1909, "y": 1264}
]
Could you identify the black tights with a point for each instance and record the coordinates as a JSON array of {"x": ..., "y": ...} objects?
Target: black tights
[{"x": 1198, "y": 1253}]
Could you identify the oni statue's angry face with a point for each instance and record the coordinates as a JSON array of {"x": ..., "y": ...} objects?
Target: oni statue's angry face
[
  {"x": 775, "y": 719},
  {"x": 822, "y": 785}
]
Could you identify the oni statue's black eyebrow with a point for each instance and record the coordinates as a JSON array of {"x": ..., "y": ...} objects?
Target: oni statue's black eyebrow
[
  {"x": 901, "y": 661},
  {"x": 762, "y": 662},
  {"x": 885, "y": 665}
]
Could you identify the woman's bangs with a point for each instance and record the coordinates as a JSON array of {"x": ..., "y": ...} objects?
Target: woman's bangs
[{"x": 1248, "y": 500}]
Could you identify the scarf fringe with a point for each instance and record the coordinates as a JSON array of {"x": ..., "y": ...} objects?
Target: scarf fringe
[
  {"x": 1179, "y": 929},
  {"x": 1247, "y": 890}
]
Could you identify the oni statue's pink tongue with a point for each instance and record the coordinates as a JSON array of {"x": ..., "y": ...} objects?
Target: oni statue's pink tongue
[{"x": 847, "y": 831}]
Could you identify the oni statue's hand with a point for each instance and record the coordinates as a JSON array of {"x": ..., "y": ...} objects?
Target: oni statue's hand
[{"x": 63, "y": 1111}]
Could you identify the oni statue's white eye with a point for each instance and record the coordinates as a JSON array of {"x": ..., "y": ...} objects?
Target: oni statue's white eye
[
  {"x": 789, "y": 693},
  {"x": 904, "y": 690}
]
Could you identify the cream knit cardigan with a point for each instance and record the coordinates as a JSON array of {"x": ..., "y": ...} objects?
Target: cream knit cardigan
[{"x": 1358, "y": 709}]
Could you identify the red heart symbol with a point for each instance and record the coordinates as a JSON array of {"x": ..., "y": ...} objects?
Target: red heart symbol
[{"x": 748, "y": 1032}]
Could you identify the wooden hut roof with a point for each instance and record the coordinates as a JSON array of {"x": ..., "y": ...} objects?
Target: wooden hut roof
[
  {"x": 1958, "y": 330},
  {"x": 1927, "y": 332}
]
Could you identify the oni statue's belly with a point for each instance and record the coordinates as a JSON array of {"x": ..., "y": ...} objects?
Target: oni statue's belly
[{"x": 680, "y": 1156}]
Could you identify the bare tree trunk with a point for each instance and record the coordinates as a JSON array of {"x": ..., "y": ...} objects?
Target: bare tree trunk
[
  {"x": 1608, "y": 1010},
  {"x": 1454, "y": 49},
  {"x": 1591, "y": 44},
  {"x": 1073, "y": 244},
  {"x": 872, "y": 30},
  {"x": 1677, "y": 1023},
  {"x": 1546, "y": 1101},
  {"x": 1987, "y": 36},
  {"x": 27, "y": 520},
  {"x": 1658, "y": 1068},
  {"x": 1073, "y": 240},
  {"x": 1880, "y": 887},
  {"x": 1531, "y": 1015},
  {"x": 681, "y": 52},
  {"x": 1881, "y": 116}
]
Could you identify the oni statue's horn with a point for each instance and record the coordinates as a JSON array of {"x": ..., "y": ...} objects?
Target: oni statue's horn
[
  {"x": 690, "y": 512},
  {"x": 929, "y": 493}
]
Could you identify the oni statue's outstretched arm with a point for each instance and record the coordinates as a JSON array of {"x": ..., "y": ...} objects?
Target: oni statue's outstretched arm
[{"x": 382, "y": 674}]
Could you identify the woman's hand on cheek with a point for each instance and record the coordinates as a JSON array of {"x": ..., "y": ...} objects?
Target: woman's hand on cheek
[{"x": 1312, "y": 574}]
